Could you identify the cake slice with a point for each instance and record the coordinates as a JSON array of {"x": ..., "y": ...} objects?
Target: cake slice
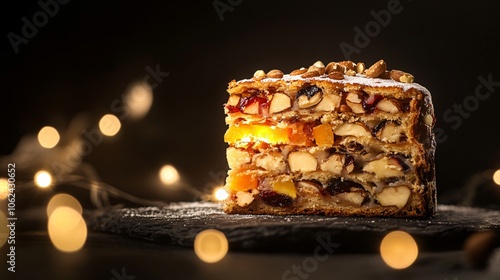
[{"x": 334, "y": 140}]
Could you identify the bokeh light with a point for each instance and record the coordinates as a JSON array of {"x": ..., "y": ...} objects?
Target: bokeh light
[
  {"x": 48, "y": 137},
  {"x": 4, "y": 230},
  {"x": 4, "y": 188},
  {"x": 220, "y": 194},
  {"x": 139, "y": 100},
  {"x": 67, "y": 229},
  {"x": 211, "y": 245},
  {"x": 62, "y": 199},
  {"x": 398, "y": 250},
  {"x": 496, "y": 177},
  {"x": 43, "y": 179},
  {"x": 169, "y": 175},
  {"x": 109, "y": 125}
]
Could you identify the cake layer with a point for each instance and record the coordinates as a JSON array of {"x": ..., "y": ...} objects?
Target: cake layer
[{"x": 274, "y": 98}]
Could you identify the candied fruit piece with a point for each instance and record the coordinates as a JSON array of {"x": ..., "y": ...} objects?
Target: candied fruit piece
[
  {"x": 271, "y": 134},
  {"x": 285, "y": 188},
  {"x": 264, "y": 133},
  {"x": 337, "y": 186},
  {"x": 242, "y": 182},
  {"x": 323, "y": 135},
  {"x": 301, "y": 134},
  {"x": 275, "y": 199},
  {"x": 309, "y": 92}
]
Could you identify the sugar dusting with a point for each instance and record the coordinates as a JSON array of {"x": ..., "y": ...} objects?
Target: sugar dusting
[{"x": 358, "y": 79}]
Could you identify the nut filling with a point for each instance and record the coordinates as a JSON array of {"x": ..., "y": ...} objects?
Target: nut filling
[{"x": 342, "y": 139}]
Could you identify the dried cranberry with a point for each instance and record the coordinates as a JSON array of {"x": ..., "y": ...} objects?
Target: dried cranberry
[
  {"x": 247, "y": 101},
  {"x": 370, "y": 101},
  {"x": 232, "y": 109},
  {"x": 337, "y": 186},
  {"x": 275, "y": 199}
]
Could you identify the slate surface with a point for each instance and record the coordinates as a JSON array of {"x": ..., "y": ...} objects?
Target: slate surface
[{"x": 178, "y": 224}]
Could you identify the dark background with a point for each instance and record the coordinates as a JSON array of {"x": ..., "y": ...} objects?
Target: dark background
[{"x": 87, "y": 55}]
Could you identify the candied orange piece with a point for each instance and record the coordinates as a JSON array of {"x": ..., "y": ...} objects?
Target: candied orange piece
[
  {"x": 298, "y": 137},
  {"x": 250, "y": 133},
  {"x": 242, "y": 182},
  {"x": 286, "y": 188},
  {"x": 323, "y": 135}
]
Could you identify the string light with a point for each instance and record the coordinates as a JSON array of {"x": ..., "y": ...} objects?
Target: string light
[
  {"x": 496, "y": 177},
  {"x": 139, "y": 100},
  {"x": 398, "y": 250},
  {"x": 220, "y": 194},
  {"x": 211, "y": 245},
  {"x": 169, "y": 175},
  {"x": 109, "y": 125},
  {"x": 62, "y": 199},
  {"x": 67, "y": 229},
  {"x": 4, "y": 230},
  {"x": 43, "y": 179},
  {"x": 48, "y": 137},
  {"x": 4, "y": 188}
]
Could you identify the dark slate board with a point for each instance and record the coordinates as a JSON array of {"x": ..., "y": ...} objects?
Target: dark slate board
[{"x": 178, "y": 224}]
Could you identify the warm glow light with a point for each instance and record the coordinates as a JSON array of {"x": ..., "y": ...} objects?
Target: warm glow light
[
  {"x": 4, "y": 230},
  {"x": 139, "y": 100},
  {"x": 109, "y": 125},
  {"x": 398, "y": 250},
  {"x": 220, "y": 194},
  {"x": 211, "y": 245},
  {"x": 169, "y": 175},
  {"x": 67, "y": 229},
  {"x": 43, "y": 179},
  {"x": 4, "y": 188},
  {"x": 48, "y": 137},
  {"x": 496, "y": 177},
  {"x": 62, "y": 199}
]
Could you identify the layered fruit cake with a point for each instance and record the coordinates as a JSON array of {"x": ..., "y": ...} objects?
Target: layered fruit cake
[{"x": 334, "y": 140}]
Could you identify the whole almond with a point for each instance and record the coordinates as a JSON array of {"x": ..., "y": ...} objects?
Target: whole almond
[
  {"x": 336, "y": 76},
  {"x": 349, "y": 65},
  {"x": 259, "y": 75},
  {"x": 321, "y": 70},
  {"x": 401, "y": 76},
  {"x": 275, "y": 73},
  {"x": 360, "y": 67},
  {"x": 319, "y": 63},
  {"x": 376, "y": 69},
  {"x": 298, "y": 71},
  {"x": 335, "y": 67},
  {"x": 385, "y": 75},
  {"x": 350, "y": 72},
  {"x": 310, "y": 74}
]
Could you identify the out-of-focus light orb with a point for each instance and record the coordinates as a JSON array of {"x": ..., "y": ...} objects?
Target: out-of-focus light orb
[
  {"x": 43, "y": 179},
  {"x": 139, "y": 100},
  {"x": 169, "y": 175},
  {"x": 496, "y": 177},
  {"x": 210, "y": 245},
  {"x": 220, "y": 194},
  {"x": 67, "y": 229},
  {"x": 109, "y": 125},
  {"x": 62, "y": 199},
  {"x": 4, "y": 230},
  {"x": 398, "y": 250},
  {"x": 4, "y": 188},
  {"x": 48, "y": 137}
]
